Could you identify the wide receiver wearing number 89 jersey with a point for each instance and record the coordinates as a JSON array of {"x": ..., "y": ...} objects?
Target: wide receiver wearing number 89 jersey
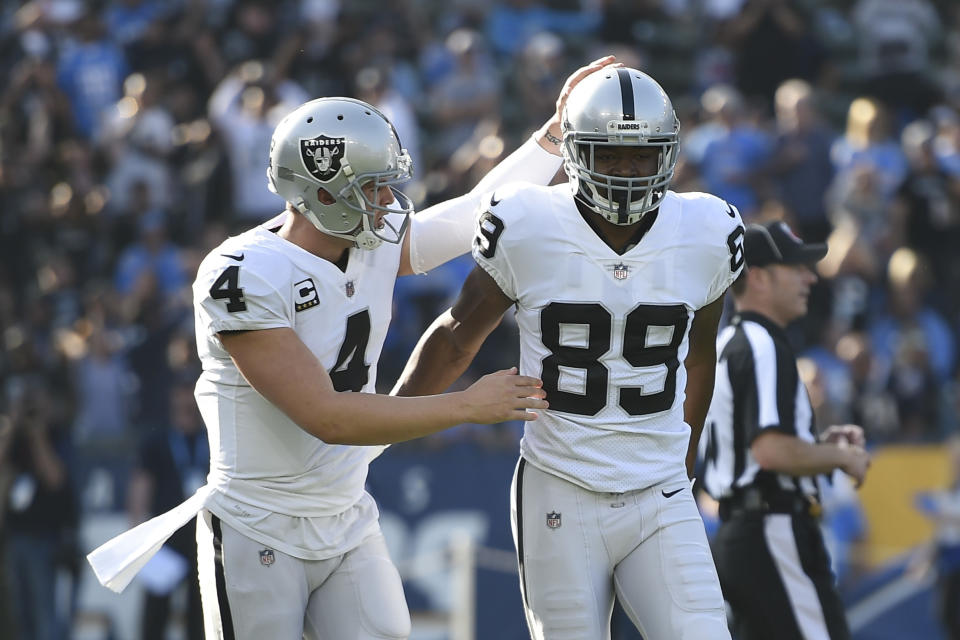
[
  {"x": 618, "y": 286},
  {"x": 609, "y": 343}
]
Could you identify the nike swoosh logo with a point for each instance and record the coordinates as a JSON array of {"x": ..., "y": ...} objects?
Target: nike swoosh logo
[
  {"x": 730, "y": 211},
  {"x": 237, "y": 258},
  {"x": 670, "y": 494},
  {"x": 493, "y": 200}
]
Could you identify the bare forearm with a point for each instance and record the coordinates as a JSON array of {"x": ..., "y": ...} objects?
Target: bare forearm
[
  {"x": 436, "y": 362},
  {"x": 295, "y": 382},
  {"x": 371, "y": 419},
  {"x": 796, "y": 457},
  {"x": 700, "y": 378}
]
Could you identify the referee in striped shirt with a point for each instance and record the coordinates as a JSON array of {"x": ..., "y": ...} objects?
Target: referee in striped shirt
[{"x": 763, "y": 454}]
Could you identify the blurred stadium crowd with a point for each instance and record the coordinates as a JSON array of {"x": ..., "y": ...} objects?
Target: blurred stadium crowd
[{"x": 134, "y": 138}]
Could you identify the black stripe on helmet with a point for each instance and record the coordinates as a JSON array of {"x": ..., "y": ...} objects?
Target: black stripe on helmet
[{"x": 626, "y": 93}]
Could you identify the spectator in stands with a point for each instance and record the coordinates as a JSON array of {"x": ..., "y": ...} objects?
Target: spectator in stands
[
  {"x": 244, "y": 108},
  {"x": 926, "y": 211},
  {"x": 41, "y": 516},
  {"x": 895, "y": 38},
  {"x": 465, "y": 96},
  {"x": 91, "y": 71},
  {"x": 801, "y": 163},
  {"x": 139, "y": 137},
  {"x": 733, "y": 163},
  {"x": 914, "y": 345},
  {"x": 772, "y": 42},
  {"x": 154, "y": 256},
  {"x": 868, "y": 145},
  {"x": 946, "y": 145},
  {"x": 103, "y": 386}
]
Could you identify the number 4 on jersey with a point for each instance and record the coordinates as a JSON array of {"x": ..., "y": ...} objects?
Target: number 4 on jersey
[
  {"x": 352, "y": 375},
  {"x": 227, "y": 288}
]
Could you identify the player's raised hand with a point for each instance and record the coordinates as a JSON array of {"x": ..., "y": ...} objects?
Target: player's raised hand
[
  {"x": 578, "y": 75},
  {"x": 549, "y": 135},
  {"x": 504, "y": 395}
]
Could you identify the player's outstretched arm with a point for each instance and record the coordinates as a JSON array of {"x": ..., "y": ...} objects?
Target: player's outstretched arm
[
  {"x": 445, "y": 230},
  {"x": 281, "y": 368},
  {"x": 448, "y": 347},
  {"x": 701, "y": 366}
]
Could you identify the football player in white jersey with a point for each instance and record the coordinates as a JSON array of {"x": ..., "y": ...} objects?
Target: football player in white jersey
[
  {"x": 618, "y": 287},
  {"x": 290, "y": 319}
]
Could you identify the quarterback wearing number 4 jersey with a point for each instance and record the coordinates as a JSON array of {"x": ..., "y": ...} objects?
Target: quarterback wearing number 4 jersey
[
  {"x": 618, "y": 288},
  {"x": 290, "y": 318}
]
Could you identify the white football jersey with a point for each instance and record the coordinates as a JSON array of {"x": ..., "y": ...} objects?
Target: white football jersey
[
  {"x": 262, "y": 462},
  {"x": 607, "y": 333}
]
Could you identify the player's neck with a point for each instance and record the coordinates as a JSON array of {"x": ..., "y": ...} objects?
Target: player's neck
[
  {"x": 619, "y": 237},
  {"x": 301, "y": 232}
]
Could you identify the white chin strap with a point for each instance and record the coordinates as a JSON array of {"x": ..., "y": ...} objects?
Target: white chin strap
[{"x": 366, "y": 239}]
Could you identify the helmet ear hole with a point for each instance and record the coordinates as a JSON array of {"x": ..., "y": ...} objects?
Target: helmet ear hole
[{"x": 324, "y": 196}]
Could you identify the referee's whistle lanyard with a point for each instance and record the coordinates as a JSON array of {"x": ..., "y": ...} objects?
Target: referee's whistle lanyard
[{"x": 191, "y": 469}]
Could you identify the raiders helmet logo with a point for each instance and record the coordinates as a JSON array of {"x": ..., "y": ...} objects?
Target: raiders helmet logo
[{"x": 321, "y": 156}]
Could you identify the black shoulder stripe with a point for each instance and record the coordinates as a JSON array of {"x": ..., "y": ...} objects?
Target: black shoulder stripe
[{"x": 626, "y": 93}]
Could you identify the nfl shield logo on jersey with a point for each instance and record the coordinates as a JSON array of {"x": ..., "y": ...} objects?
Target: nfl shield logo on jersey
[
  {"x": 350, "y": 289},
  {"x": 621, "y": 271},
  {"x": 266, "y": 557},
  {"x": 553, "y": 520}
]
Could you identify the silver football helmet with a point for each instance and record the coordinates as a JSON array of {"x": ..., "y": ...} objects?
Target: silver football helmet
[
  {"x": 619, "y": 107},
  {"x": 340, "y": 145}
]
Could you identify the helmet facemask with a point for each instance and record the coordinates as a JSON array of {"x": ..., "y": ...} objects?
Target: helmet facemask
[
  {"x": 621, "y": 200},
  {"x": 354, "y": 197},
  {"x": 622, "y": 108}
]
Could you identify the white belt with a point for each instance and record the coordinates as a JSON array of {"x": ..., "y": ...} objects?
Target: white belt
[{"x": 118, "y": 560}]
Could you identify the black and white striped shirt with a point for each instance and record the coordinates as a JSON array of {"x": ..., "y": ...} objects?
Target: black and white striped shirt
[{"x": 757, "y": 387}]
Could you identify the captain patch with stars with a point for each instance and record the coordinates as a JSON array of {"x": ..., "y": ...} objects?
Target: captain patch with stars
[{"x": 306, "y": 295}]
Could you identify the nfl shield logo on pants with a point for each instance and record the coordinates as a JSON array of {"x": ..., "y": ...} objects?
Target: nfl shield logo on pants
[
  {"x": 266, "y": 557},
  {"x": 553, "y": 520}
]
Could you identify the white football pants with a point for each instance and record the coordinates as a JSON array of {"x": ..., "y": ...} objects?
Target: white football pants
[
  {"x": 577, "y": 548},
  {"x": 250, "y": 592}
]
